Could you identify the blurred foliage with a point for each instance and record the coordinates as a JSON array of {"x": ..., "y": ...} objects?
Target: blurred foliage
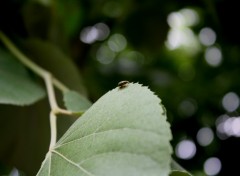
[{"x": 191, "y": 89}]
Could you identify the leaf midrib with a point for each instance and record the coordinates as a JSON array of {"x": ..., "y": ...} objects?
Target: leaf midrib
[
  {"x": 99, "y": 132},
  {"x": 97, "y": 155},
  {"x": 73, "y": 163}
]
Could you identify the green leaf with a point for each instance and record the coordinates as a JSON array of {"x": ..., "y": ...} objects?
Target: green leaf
[
  {"x": 76, "y": 102},
  {"x": 124, "y": 133},
  {"x": 179, "y": 173},
  {"x": 178, "y": 170},
  {"x": 176, "y": 166},
  {"x": 16, "y": 85}
]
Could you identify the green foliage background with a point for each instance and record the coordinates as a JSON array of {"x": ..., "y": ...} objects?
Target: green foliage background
[{"x": 48, "y": 32}]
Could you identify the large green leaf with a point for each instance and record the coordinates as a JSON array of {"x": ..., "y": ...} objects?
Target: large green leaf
[
  {"x": 16, "y": 85},
  {"x": 124, "y": 133},
  {"x": 76, "y": 102}
]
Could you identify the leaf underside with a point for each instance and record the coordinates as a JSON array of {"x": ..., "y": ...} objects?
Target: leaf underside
[
  {"x": 124, "y": 133},
  {"x": 16, "y": 85},
  {"x": 75, "y": 102}
]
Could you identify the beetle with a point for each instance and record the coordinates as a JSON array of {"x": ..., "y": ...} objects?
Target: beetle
[{"x": 123, "y": 84}]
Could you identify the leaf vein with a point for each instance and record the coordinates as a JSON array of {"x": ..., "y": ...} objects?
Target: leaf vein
[
  {"x": 99, "y": 132},
  {"x": 73, "y": 163},
  {"x": 115, "y": 152}
]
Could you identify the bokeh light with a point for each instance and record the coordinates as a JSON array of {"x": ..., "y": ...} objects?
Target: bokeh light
[
  {"x": 213, "y": 56},
  {"x": 182, "y": 18},
  {"x": 205, "y": 136},
  {"x": 221, "y": 132},
  {"x": 186, "y": 149},
  {"x": 191, "y": 17},
  {"x": 228, "y": 126},
  {"x": 184, "y": 37},
  {"x": 103, "y": 31},
  {"x": 91, "y": 34},
  {"x": 207, "y": 36},
  {"x": 230, "y": 101},
  {"x": 212, "y": 166},
  {"x": 175, "y": 20},
  {"x": 180, "y": 33},
  {"x": 14, "y": 172},
  {"x": 117, "y": 42},
  {"x": 236, "y": 127},
  {"x": 105, "y": 55}
]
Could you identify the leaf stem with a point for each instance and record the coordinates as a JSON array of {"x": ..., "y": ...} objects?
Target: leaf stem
[
  {"x": 49, "y": 81},
  {"x": 51, "y": 95},
  {"x": 53, "y": 128},
  {"x": 59, "y": 85}
]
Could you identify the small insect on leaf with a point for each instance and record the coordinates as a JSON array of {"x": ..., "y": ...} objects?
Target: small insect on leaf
[{"x": 123, "y": 84}]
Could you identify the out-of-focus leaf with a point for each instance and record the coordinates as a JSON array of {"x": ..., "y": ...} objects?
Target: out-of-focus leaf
[
  {"x": 16, "y": 85},
  {"x": 179, "y": 173},
  {"x": 178, "y": 170},
  {"x": 176, "y": 166},
  {"x": 46, "y": 25},
  {"x": 24, "y": 132},
  {"x": 71, "y": 13},
  {"x": 76, "y": 102},
  {"x": 51, "y": 58},
  {"x": 124, "y": 133},
  {"x": 37, "y": 24}
]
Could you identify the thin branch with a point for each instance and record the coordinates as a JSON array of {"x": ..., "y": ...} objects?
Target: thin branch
[
  {"x": 53, "y": 128},
  {"x": 49, "y": 81},
  {"x": 59, "y": 85},
  {"x": 50, "y": 90},
  {"x": 51, "y": 96}
]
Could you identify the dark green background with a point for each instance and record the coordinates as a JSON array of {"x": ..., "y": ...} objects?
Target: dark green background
[{"x": 24, "y": 131}]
